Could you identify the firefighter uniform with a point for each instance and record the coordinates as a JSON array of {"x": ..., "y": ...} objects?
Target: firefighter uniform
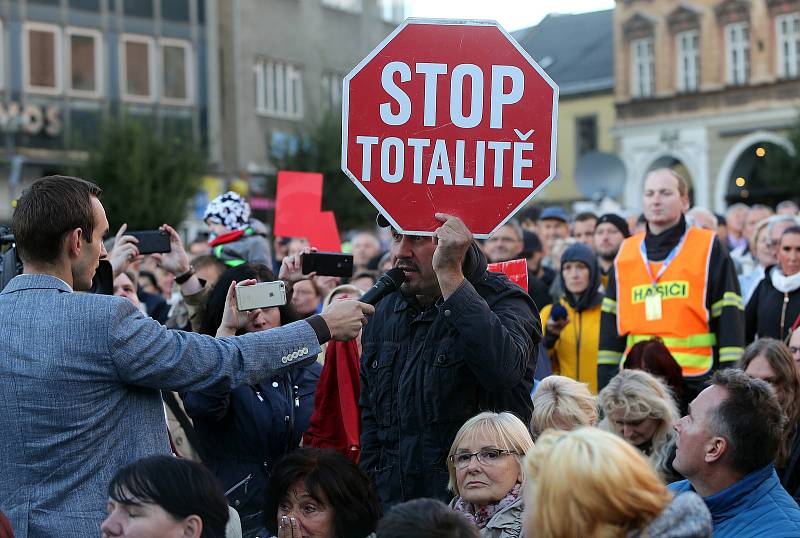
[{"x": 690, "y": 299}]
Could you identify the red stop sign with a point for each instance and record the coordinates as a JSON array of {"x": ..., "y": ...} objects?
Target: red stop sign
[{"x": 452, "y": 117}]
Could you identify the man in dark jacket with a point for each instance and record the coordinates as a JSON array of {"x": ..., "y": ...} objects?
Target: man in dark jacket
[{"x": 455, "y": 340}]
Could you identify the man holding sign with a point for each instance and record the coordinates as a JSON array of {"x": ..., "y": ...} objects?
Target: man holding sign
[
  {"x": 448, "y": 127},
  {"x": 455, "y": 340}
]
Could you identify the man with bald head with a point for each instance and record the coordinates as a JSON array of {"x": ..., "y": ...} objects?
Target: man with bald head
[{"x": 675, "y": 282}]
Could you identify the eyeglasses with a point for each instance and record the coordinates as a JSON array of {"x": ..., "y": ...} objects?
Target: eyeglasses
[
  {"x": 794, "y": 350},
  {"x": 487, "y": 456}
]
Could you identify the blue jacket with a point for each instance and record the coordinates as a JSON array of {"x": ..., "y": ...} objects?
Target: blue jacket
[
  {"x": 79, "y": 394},
  {"x": 757, "y": 505},
  {"x": 245, "y": 430}
]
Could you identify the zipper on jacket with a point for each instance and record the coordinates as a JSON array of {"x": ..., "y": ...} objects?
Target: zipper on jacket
[{"x": 244, "y": 482}]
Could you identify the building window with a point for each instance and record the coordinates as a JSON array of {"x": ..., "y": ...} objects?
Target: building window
[
  {"x": 392, "y": 10},
  {"x": 279, "y": 89},
  {"x": 176, "y": 63},
  {"x": 737, "y": 51},
  {"x": 586, "y": 130},
  {"x": 176, "y": 10},
  {"x": 88, "y": 5},
  {"x": 787, "y": 30},
  {"x": 138, "y": 8},
  {"x": 688, "y": 61},
  {"x": 332, "y": 90},
  {"x": 353, "y": 6},
  {"x": 84, "y": 62},
  {"x": 42, "y": 58},
  {"x": 137, "y": 68},
  {"x": 643, "y": 71}
]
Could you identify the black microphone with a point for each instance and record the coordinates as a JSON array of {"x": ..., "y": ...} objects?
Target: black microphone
[{"x": 386, "y": 284}]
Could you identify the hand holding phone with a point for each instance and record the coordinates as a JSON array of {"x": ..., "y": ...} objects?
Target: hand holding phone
[
  {"x": 261, "y": 295},
  {"x": 328, "y": 264},
  {"x": 152, "y": 241}
]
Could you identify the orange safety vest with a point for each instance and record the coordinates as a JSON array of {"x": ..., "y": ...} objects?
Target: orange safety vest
[{"x": 684, "y": 322}]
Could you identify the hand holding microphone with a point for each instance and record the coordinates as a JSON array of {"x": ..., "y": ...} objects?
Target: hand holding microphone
[{"x": 346, "y": 318}]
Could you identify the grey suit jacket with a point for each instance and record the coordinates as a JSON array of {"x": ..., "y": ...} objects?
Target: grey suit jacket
[{"x": 79, "y": 394}]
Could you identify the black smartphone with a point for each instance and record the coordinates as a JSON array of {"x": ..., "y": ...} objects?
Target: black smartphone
[
  {"x": 328, "y": 264},
  {"x": 151, "y": 241}
]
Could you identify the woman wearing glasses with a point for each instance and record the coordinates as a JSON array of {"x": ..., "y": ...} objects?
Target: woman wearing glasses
[{"x": 486, "y": 473}]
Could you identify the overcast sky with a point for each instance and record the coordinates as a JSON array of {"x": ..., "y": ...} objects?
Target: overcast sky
[{"x": 511, "y": 14}]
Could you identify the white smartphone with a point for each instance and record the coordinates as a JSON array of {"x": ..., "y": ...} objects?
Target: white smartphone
[{"x": 261, "y": 295}]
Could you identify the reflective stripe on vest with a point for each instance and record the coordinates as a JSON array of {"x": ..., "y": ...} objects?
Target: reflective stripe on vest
[{"x": 684, "y": 324}]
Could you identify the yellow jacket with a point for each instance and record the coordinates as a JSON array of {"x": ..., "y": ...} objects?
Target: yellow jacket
[{"x": 575, "y": 352}]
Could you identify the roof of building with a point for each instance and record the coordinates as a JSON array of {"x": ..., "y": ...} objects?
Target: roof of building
[{"x": 577, "y": 51}]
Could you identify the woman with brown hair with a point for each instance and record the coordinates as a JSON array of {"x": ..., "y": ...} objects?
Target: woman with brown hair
[{"x": 771, "y": 360}]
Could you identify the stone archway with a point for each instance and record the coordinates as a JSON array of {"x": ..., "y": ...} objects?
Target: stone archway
[{"x": 733, "y": 161}]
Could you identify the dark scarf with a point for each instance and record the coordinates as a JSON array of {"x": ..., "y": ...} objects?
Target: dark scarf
[{"x": 659, "y": 246}]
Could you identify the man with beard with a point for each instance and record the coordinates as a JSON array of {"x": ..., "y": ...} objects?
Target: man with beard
[
  {"x": 455, "y": 340},
  {"x": 610, "y": 232}
]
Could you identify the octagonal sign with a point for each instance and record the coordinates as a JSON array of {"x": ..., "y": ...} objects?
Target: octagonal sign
[{"x": 451, "y": 117}]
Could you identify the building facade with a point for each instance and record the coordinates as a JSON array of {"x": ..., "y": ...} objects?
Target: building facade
[
  {"x": 708, "y": 87},
  {"x": 66, "y": 64},
  {"x": 282, "y": 65},
  {"x": 577, "y": 52}
]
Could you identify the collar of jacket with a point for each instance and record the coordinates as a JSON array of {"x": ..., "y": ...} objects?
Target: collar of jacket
[
  {"x": 730, "y": 501},
  {"x": 33, "y": 281},
  {"x": 659, "y": 246},
  {"x": 474, "y": 267}
]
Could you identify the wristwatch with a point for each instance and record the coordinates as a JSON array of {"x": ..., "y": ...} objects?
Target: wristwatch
[{"x": 180, "y": 279}]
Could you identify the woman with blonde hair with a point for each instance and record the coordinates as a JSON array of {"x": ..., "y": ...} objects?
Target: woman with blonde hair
[
  {"x": 486, "y": 472},
  {"x": 640, "y": 409},
  {"x": 592, "y": 484},
  {"x": 562, "y": 403}
]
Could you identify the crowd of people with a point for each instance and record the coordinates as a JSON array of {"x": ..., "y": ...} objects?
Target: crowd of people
[{"x": 646, "y": 383}]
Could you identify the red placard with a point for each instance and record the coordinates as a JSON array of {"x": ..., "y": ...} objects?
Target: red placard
[
  {"x": 298, "y": 201},
  {"x": 452, "y": 117},
  {"x": 515, "y": 270}
]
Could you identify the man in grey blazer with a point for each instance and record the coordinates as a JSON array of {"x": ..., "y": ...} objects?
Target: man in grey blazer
[{"x": 80, "y": 373}]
